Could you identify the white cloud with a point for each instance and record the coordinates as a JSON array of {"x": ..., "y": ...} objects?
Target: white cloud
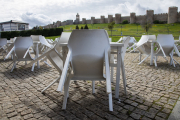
[
  {"x": 46, "y": 12},
  {"x": 36, "y": 19}
]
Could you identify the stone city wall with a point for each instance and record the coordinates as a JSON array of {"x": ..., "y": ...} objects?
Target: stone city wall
[{"x": 172, "y": 16}]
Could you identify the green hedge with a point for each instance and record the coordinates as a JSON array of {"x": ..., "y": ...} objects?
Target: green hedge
[{"x": 44, "y": 32}]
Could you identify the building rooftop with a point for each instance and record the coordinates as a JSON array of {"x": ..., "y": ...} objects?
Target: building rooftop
[{"x": 13, "y": 21}]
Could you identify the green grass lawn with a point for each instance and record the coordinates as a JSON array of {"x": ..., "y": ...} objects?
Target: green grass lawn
[{"x": 129, "y": 30}]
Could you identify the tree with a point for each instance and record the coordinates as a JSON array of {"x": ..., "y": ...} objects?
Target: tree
[
  {"x": 125, "y": 22},
  {"x": 146, "y": 26},
  {"x": 111, "y": 26},
  {"x": 86, "y": 27},
  {"x": 40, "y": 27},
  {"x": 77, "y": 27}
]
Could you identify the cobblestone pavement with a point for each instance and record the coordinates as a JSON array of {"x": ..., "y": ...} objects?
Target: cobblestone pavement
[{"x": 151, "y": 94}]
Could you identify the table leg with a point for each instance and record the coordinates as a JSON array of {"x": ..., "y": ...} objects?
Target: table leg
[
  {"x": 37, "y": 55},
  {"x": 152, "y": 52},
  {"x": 119, "y": 58}
]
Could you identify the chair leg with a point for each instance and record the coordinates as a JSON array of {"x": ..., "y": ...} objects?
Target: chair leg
[
  {"x": 135, "y": 58},
  {"x": 124, "y": 76},
  {"x": 110, "y": 102},
  {"x": 172, "y": 60},
  {"x": 66, "y": 88},
  {"x": 13, "y": 66},
  {"x": 50, "y": 84},
  {"x": 155, "y": 63},
  {"x": 47, "y": 63},
  {"x": 9, "y": 64},
  {"x": 112, "y": 73},
  {"x": 140, "y": 56},
  {"x": 143, "y": 59},
  {"x": 165, "y": 58},
  {"x": 33, "y": 67},
  {"x": 176, "y": 61},
  {"x": 93, "y": 87}
]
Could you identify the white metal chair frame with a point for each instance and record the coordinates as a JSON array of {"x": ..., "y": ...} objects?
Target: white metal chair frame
[
  {"x": 166, "y": 48},
  {"x": 21, "y": 52},
  {"x": 84, "y": 42}
]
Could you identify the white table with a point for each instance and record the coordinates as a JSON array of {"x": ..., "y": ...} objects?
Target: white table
[
  {"x": 120, "y": 63},
  {"x": 152, "y": 50},
  {"x": 36, "y": 43}
]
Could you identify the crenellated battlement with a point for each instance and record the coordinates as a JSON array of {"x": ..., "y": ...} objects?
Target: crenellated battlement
[{"x": 172, "y": 16}]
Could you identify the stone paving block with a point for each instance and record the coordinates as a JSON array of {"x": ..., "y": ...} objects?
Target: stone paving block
[
  {"x": 135, "y": 116},
  {"x": 151, "y": 93},
  {"x": 16, "y": 118},
  {"x": 163, "y": 115}
]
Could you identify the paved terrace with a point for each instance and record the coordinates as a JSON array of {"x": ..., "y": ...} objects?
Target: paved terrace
[{"x": 152, "y": 94}]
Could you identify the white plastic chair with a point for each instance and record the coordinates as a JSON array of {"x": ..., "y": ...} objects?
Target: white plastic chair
[
  {"x": 22, "y": 46},
  {"x": 87, "y": 51},
  {"x": 113, "y": 62},
  {"x": 132, "y": 43},
  {"x": 54, "y": 57},
  {"x": 166, "y": 47},
  {"x": 144, "y": 47}
]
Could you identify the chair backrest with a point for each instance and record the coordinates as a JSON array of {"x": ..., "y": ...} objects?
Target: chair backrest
[
  {"x": 35, "y": 37},
  {"x": 21, "y": 45},
  {"x": 88, "y": 50},
  {"x": 152, "y": 37},
  {"x": 132, "y": 41},
  {"x": 63, "y": 39},
  {"x": 167, "y": 42},
  {"x": 142, "y": 47},
  {"x": 44, "y": 41},
  {"x": 124, "y": 48},
  {"x": 3, "y": 41}
]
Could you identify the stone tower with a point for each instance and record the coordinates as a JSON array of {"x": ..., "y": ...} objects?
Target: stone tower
[
  {"x": 150, "y": 16},
  {"x": 102, "y": 19},
  {"x": 58, "y": 23},
  {"x": 110, "y": 18},
  {"x": 172, "y": 14},
  {"x": 132, "y": 18},
  {"x": 117, "y": 18},
  {"x": 83, "y": 20},
  {"x": 92, "y": 20},
  {"x": 77, "y": 19}
]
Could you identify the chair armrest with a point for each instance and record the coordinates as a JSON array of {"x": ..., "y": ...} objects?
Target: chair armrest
[
  {"x": 64, "y": 72},
  {"x": 108, "y": 81}
]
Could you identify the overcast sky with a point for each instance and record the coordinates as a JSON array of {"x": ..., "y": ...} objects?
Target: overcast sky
[{"x": 43, "y": 12}]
